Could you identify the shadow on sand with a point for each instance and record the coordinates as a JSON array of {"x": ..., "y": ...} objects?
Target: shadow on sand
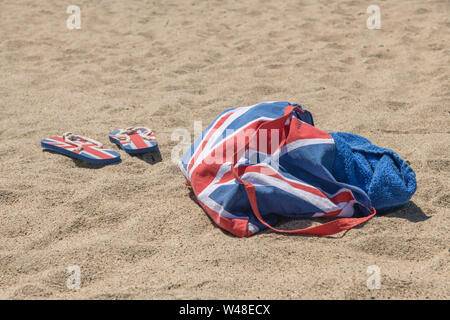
[
  {"x": 409, "y": 211},
  {"x": 151, "y": 157}
]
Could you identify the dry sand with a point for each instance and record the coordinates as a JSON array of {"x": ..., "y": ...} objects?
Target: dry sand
[{"x": 134, "y": 228}]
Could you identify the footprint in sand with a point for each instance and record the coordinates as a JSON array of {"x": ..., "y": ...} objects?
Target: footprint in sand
[
  {"x": 396, "y": 105},
  {"x": 442, "y": 201},
  {"x": 396, "y": 247},
  {"x": 30, "y": 290},
  {"x": 439, "y": 165},
  {"x": 9, "y": 197}
]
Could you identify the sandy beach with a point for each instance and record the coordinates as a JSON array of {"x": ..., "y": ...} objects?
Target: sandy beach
[{"x": 134, "y": 228}]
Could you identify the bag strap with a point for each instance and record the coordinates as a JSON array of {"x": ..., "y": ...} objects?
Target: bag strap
[{"x": 326, "y": 229}]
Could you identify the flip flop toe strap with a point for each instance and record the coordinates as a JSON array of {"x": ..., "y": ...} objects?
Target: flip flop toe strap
[
  {"x": 125, "y": 133},
  {"x": 69, "y": 137}
]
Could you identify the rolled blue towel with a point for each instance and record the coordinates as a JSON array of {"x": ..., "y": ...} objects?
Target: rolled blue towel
[{"x": 386, "y": 178}]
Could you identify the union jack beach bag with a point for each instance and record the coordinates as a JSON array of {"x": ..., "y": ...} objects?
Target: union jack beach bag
[{"x": 254, "y": 164}]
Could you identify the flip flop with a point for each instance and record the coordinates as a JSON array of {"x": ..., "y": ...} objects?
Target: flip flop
[
  {"x": 134, "y": 140},
  {"x": 81, "y": 148}
]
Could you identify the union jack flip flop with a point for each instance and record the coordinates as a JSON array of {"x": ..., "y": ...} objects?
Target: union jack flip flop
[
  {"x": 134, "y": 140},
  {"x": 81, "y": 148}
]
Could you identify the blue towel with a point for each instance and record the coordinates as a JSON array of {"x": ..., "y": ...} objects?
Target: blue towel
[{"x": 386, "y": 178}]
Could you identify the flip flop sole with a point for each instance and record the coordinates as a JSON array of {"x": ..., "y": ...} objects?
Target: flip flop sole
[
  {"x": 136, "y": 144},
  {"x": 89, "y": 154}
]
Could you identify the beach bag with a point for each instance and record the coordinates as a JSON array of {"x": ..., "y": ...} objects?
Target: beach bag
[{"x": 255, "y": 164}]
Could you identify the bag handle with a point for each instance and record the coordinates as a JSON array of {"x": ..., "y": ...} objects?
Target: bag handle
[{"x": 326, "y": 229}]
